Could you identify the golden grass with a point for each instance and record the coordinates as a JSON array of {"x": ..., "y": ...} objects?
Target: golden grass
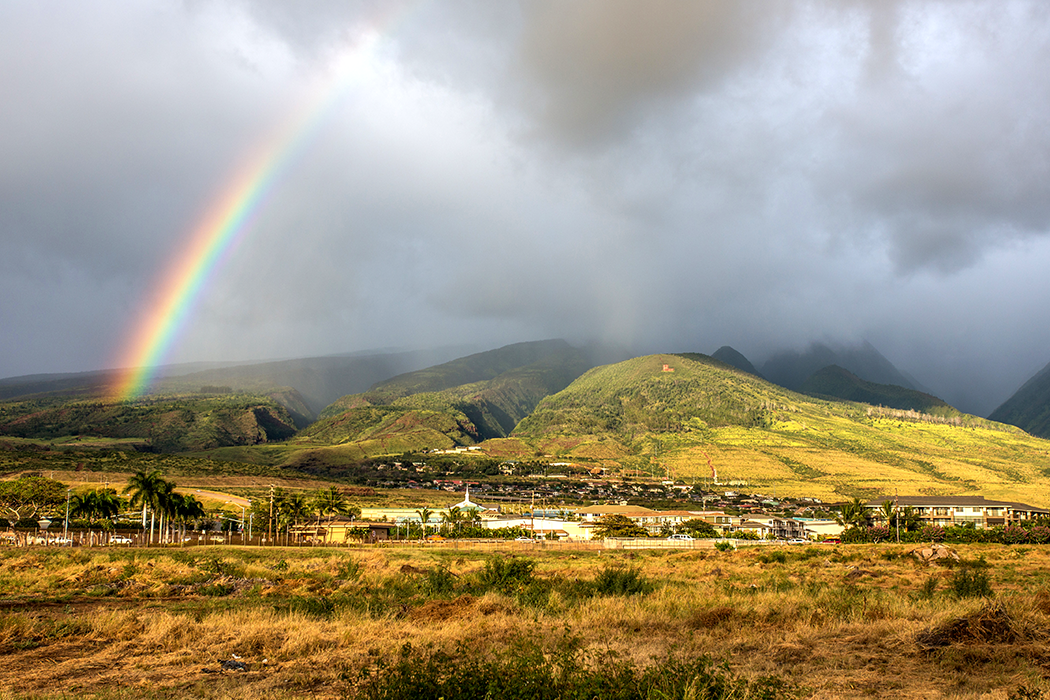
[{"x": 840, "y": 621}]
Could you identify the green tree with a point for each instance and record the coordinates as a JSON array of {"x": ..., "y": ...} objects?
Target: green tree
[
  {"x": 293, "y": 510},
  {"x": 889, "y": 510},
  {"x": 147, "y": 489},
  {"x": 699, "y": 528},
  {"x": 96, "y": 506},
  {"x": 618, "y": 526},
  {"x": 451, "y": 517},
  {"x": 424, "y": 518},
  {"x": 27, "y": 496},
  {"x": 852, "y": 514}
]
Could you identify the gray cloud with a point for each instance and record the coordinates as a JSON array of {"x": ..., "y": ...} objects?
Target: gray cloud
[{"x": 672, "y": 176}]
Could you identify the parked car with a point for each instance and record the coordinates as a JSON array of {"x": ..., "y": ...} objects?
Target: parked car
[
  {"x": 435, "y": 538},
  {"x": 523, "y": 538},
  {"x": 120, "y": 539},
  {"x": 680, "y": 537}
]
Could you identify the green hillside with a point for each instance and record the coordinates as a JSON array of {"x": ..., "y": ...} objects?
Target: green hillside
[
  {"x": 179, "y": 423},
  {"x": 1029, "y": 407},
  {"x": 704, "y": 416},
  {"x": 838, "y": 383},
  {"x": 395, "y": 416},
  {"x": 478, "y": 367}
]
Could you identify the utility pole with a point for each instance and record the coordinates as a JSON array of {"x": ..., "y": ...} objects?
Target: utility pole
[
  {"x": 896, "y": 514},
  {"x": 269, "y": 526}
]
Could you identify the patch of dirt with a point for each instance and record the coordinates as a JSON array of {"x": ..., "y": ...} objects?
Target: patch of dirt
[
  {"x": 442, "y": 610},
  {"x": 409, "y": 569},
  {"x": 711, "y": 617}
]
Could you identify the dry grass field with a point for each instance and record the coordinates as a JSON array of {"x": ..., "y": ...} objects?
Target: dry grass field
[{"x": 864, "y": 621}]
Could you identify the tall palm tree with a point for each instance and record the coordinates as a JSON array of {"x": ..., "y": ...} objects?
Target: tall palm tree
[
  {"x": 851, "y": 514},
  {"x": 146, "y": 489},
  {"x": 424, "y": 517},
  {"x": 452, "y": 516},
  {"x": 330, "y": 502},
  {"x": 296, "y": 507},
  {"x": 183, "y": 509},
  {"x": 95, "y": 505},
  {"x": 889, "y": 510}
]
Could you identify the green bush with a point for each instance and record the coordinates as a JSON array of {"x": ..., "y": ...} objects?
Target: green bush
[
  {"x": 619, "y": 581},
  {"x": 524, "y": 672},
  {"x": 438, "y": 582},
  {"x": 506, "y": 574},
  {"x": 724, "y": 546},
  {"x": 970, "y": 582}
]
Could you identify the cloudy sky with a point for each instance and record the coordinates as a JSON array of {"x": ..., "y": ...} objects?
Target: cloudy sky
[{"x": 671, "y": 176}]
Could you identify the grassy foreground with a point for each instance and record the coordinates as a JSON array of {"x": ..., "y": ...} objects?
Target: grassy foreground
[{"x": 386, "y": 622}]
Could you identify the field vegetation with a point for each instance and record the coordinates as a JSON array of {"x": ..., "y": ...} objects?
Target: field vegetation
[{"x": 824, "y": 621}]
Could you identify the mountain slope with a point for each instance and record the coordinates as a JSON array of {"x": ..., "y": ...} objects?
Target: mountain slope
[
  {"x": 704, "y": 418},
  {"x": 835, "y": 382},
  {"x": 478, "y": 367},
  {"x": 792, "y": 369},
  {"x": 735, "y": 359},
  {"x": 454, "y": 414},
  {"x": 1029, "y": 407},
  {"x": 318, "y": 380},
  {"x": 169, "y": 424}
]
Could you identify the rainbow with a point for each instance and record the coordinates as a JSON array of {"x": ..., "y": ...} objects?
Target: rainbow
[{"x": 230, "y": 216}]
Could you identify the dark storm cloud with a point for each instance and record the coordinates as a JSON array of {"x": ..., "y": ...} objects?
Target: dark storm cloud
[{"x": 669, "y": 175}]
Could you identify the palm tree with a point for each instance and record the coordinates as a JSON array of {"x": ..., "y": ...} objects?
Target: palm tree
[
  {"x": 184, "y": 508},
  {"x": 424, "y": 517},
  {"x": 451, "y": 516},
  {"x": 889, "y": 510},
  {"x": 146, "y": 489},
  {"x": 851, "y": 514},
  {"x": 293, "y": 509},
  {"x": 330, "y": 502}
]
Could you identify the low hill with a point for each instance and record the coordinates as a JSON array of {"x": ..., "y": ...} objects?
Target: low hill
[
  {"x": 703, "y": 418},
  {"x": 318, "y": 381},
  {"x": 1029, "y": 407},
  {"x": 838, "y": 383},
  {"x": 735, "y": 359},
  {"x": 429, "y": 410},
  {"x": 791, "y": 369},
  {"x": 161, "y": 424},
  {"x": 471, "y": 369}
]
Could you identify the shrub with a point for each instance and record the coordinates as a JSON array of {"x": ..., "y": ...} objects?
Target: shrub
[
  {"x": 524, "y": 672},
  {"x": 724, "y": 545},
  {"x": 507, "y": 575},
  {"x": 618, "y": 581},
  {"x": 438, "y": 581},
  {"x": 1039, "y": 534},
  {"x": 1014, "y": 534},
  {"x": 349, "y": 569},
  {"x": 854, "y": 535},
  {"x": 969, "y": 582},
  {"x": 931, "y": 533},
  {"x": 878, "y": 533},
  {"x": 929, "y": 588}
]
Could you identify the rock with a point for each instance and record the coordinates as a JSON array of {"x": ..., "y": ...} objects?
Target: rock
[{"x": 934, "y": 552}]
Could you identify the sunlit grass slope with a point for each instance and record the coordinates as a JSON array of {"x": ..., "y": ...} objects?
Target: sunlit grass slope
[{"x": 700, "y": 415}]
